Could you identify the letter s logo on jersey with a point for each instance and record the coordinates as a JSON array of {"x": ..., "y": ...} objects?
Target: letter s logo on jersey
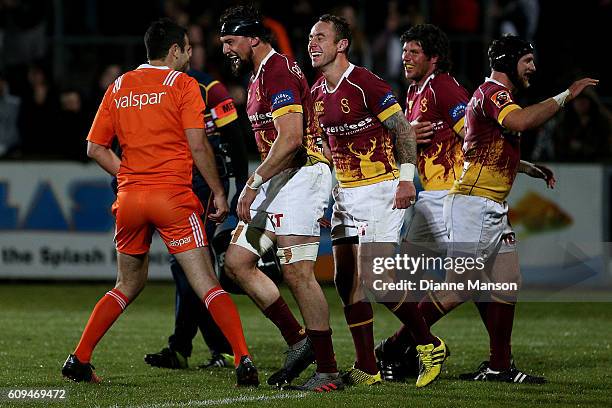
[
  {"x": 282, "y": 98},
  {"x": 457, "y": 111},
  {"x": 388, "y": 100}
]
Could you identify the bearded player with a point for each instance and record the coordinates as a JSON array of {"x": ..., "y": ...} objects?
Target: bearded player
[
  {"x": 360, "y": 117},
  {"x": 475, "y": 210},
  {"x": 435, "y": 106},
  {"x": 283, "y": 199}
]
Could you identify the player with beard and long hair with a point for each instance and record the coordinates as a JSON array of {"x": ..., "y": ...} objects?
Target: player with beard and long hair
[
  {"x": 283, "y": 200},
  {"x": 435, "y": 106},
  {"x": 475, "y": 210}
]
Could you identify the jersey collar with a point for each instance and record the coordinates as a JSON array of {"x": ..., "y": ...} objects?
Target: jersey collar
[
  {"x": 263, "y": 62},
  {"x": 487, "y": 79},
  {"x": 346, "y": 73},
  {"x": 429, "y": 78},
  {"x": 152, "y": 66}
]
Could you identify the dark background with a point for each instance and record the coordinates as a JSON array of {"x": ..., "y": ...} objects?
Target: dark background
[{"x": 54, "y": 54}]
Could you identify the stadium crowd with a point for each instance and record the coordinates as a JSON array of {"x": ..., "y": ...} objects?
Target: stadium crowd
[{"x": 57, "y": 58}]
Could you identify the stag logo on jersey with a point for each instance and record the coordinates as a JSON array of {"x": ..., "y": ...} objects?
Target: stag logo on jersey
[
  {"x": 410, "y": 103},
  {"x": 423, "y": 107},
  {"x": 262, "y": 137},
  {"x": 457, "y": 111},
  {"x": 388, "y": 100},
  {"x": 344, "y": 105},
  {"x": 501, "y": 98},
  {"x": 282, "y": 98},
  {"x": 319, "y": 108}
]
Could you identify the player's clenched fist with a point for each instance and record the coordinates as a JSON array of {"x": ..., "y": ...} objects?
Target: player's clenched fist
[
  {"x": 243, "y": 209},
  {"x": 405, "y": 195},
  {"x": 221, "y": 208}
]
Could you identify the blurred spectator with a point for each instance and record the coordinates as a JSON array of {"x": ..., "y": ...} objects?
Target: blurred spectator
[
  {"x": 107, "y": 77},
  {"x": 176, "y": 10},
  {"x": 584, "y": 131},
  {"x": 74, "y": 124},
  {"x": 38, "y": 114},
  {"x": 9, "y": 113},
  {"x": 359, "y": 53},
  {"x": 517, "y": 17},
  {"x": 387, "y": 47},
  {"x": 196, "y": 39},
  {"x": 24, "y": 24},
  {"x": 457, "y": 16}
]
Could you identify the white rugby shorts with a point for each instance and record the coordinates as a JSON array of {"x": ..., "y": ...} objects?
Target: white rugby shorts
[
  {"x": 292, "y": 202},
  {"x": 477, "y": 226},
  {"x": 367, "y": 213}
]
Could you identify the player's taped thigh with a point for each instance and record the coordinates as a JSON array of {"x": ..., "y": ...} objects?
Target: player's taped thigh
[
  {"x": 297, "y": 253},
  {"x": 252, "y": 239}
]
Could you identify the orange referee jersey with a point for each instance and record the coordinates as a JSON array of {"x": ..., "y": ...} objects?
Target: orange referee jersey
[{"x": 148, "y": 109}]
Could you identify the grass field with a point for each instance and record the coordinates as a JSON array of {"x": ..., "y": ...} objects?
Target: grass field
[{"x": 40, "y": 324}]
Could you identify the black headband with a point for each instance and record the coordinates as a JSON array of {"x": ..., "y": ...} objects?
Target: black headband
[{"x": 245, "y": 28}]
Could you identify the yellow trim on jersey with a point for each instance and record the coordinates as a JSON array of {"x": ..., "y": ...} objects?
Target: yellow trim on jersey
[
  {"x": 438, "y": 184},
  {"x": 473, "y": 190},
  {"x": 384, "y": 115},
  {"x": 220, "y": 122},
  {"x": 459, "y": 125},
  {"x": 392, "y": 175},
  {"x": 287, "y": 109},
  {"x": 213, "y": 83},
  {"x": 206, "y": 92},
  {"x": 315, "y": 158},
  {"x": 504, "y": 112},
  {"x": 361, "y": 323}
]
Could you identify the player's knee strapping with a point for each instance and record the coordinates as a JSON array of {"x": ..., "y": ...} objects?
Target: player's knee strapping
[
  {"x": 251, "y": 239},
  {"x": 296, "y": 253}
]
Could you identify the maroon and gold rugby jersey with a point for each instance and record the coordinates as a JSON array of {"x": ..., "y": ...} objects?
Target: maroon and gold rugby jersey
[
  {"x": 279, "y": 87},
  {"x": 441, "y": 101},
  {"x": 351, "y": 116},
  {"x": 491, "y": 152}
]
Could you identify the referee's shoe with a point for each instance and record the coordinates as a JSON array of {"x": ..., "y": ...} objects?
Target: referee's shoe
[{"x": 77, "y": 371}]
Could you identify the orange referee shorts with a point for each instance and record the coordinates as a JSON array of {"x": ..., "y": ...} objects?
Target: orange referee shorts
[{"x": 175, "y": 214}]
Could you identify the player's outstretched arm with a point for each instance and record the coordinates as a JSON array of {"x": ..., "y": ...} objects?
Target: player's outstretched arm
[
  {"x": 538, "y": 171},
  {"x": 105, "y": 157},
  {"x": 405, "y": 152},
  {"x": 520, "y": 120},
  {"x": 204, "y": 159}
]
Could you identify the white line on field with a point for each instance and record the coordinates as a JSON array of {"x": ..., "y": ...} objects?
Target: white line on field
[{"x": 224, "y": 401}]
